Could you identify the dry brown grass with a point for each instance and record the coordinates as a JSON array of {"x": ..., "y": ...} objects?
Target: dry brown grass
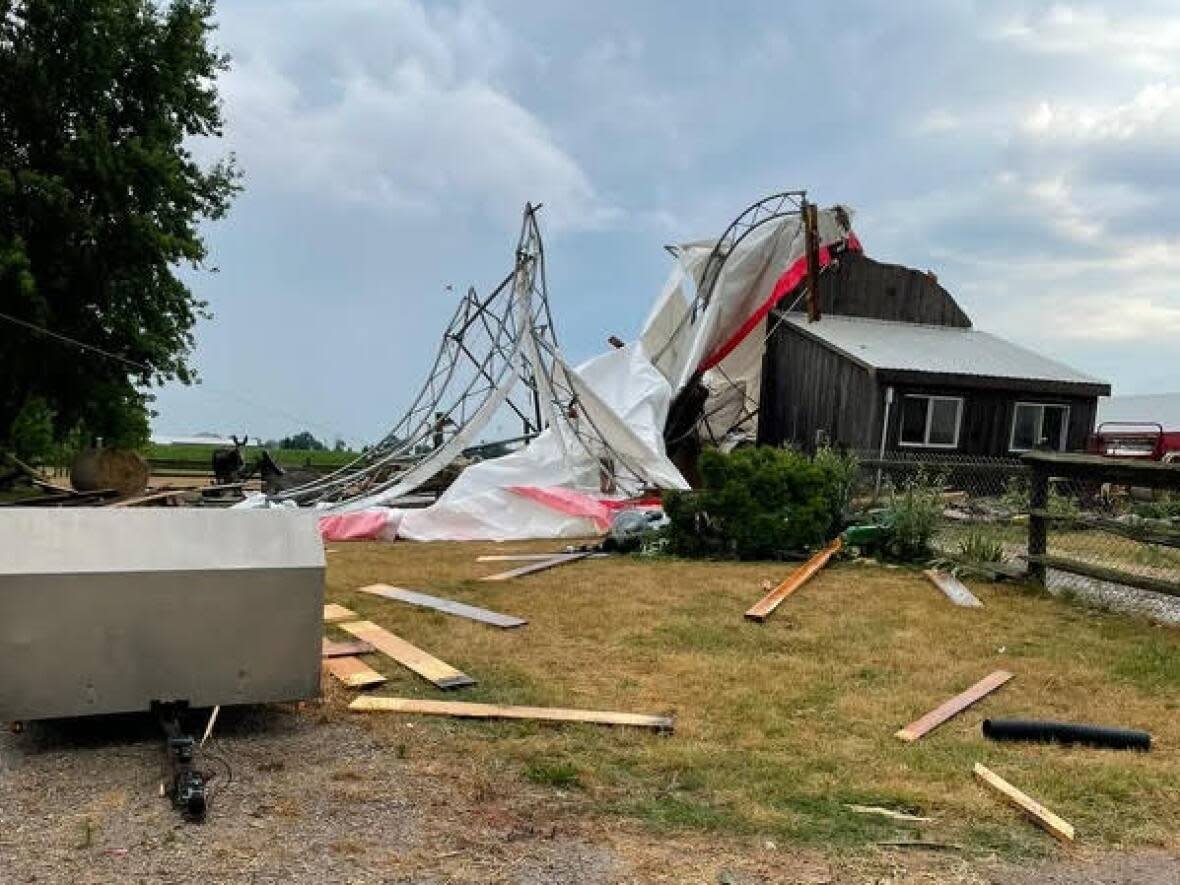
[{"x": 779, "y": 725}]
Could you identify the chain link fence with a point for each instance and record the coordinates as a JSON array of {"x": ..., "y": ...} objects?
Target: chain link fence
[{"x": 1111, "y": 528}]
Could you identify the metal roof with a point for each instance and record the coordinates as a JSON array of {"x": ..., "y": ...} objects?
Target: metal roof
[{"x": 942, "y": 350}]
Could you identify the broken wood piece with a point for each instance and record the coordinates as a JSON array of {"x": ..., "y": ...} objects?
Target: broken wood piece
[
  {"x": 953, "y": 588},
  {"x": 1039, "y": 813},
  {"x": 800, "y": 576},
  {"x": 152, "y": 498},
  {"x": 448, "y": 606},
  {"x": 888, "y": 812},
  {"x": 334, "y": 612},
  {"x": 345, "y": 649},
  {"x": 467, "y": 710},
  {"x": 353, "y": 672},
  {"x": 559, "y": 559},
  {"x": 922, "y": 843},
  {"x": 528, "y": 557},
  {"x": 954, "y": 706},
  {"x": 409, "y": 656}
]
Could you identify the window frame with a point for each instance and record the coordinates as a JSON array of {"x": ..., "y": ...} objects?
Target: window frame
[
  {"x": 1062, "y": 442},
  {"x": 930, "y": 398}
]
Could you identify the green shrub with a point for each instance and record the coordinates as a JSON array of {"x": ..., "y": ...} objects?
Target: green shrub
[
  {"x": 977, "y": 547},
  {"x": 914, "y": 515},
  {"x": 759, "y": 503}
]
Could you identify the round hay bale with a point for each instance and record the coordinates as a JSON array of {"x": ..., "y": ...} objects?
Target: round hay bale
[{"x": 124, "y": 471}]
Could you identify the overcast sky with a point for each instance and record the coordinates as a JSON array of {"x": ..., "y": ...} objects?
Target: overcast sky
[{"x": 1027, "y": 153}]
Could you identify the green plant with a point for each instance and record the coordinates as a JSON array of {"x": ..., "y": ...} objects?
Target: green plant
[
  {"x": 757, "y": 503},
  {"x": 913, "y": 516},
  {"x": 977, "y": 547},
  {"x": 1016, "y": 497}
]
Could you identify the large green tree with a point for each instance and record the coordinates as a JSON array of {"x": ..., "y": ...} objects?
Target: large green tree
[{"x": 101, "y": 200}]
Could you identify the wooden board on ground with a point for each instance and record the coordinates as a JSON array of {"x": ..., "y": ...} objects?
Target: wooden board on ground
[
  {"x": 528, "y": 557},
  {"x": 889, "y": 813},
  {"x": 409, "y": 656},
  {"x": 1043, "y": 816},
  {"x": 559, "y": 559},
  {"x": 953, "y": 588},
  {"x": 954, "y": 706},
  {"x": 160, "y": 497},
  {"x": 334, "y": 612},
  {"x": 345, "y": 649},
  {"x": 768, "y": 603},
  {"x": 497, "y": 711},
  {"x": 448, "y": 606},
  {"x": 353, "y": 672}
]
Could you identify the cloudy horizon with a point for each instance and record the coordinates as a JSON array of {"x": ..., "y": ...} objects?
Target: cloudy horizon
[{"x": 1023, "y": 152}]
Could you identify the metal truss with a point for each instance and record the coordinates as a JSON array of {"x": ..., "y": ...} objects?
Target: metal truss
[{"x": 498, "y": 353}]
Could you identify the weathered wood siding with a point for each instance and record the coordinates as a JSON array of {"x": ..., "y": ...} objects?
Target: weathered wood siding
[
  {"x": 861, "y": 287},
  {"x": 807, "y": 388}
]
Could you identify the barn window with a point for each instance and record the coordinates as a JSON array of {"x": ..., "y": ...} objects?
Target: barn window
[
  {"x": 1038, "y": 424},
  {"x": 931, "y": 421}
]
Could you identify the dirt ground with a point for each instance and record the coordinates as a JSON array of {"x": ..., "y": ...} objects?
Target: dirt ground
[{"x": 320, "y": 795}]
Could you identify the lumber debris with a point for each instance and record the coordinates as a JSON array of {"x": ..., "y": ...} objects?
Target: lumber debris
[
  {"x": 345, "y": 649},
  {"x": 409, "y": 656},
  {"x": 529, "y": 557},
  {"x": 353, "y": 672},
  {"x": 1043, "y": 817},
  {"x": 889, "y": 813},
  {"x": 467, "y": 710},
  {"x": 800, "y": 576},
  {"x": 334, "y": 612},
  {"x": 954, "y": 706},
  {"x": 448, "y": 606},
  {"x": 953, "y": 588},
  {"x": 559, "y": 559},
  {"x": 163, "y": 496}
]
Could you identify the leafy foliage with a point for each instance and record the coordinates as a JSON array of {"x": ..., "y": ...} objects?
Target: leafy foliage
[
  {"x": 304, "y": 441},
  {"x": 979, "y": 548},
  {"x": 31, "y": 434},
  {"x": 915, "y": 511},
  {"x": 100, "y": 201},
  {"x": 759, "y": 503}
]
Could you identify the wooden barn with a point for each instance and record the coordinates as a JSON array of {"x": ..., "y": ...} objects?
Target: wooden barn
[{"x": 893, "y": 354}]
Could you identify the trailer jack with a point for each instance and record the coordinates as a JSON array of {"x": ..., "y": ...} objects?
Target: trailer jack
[{"x": 188, "y": 785}]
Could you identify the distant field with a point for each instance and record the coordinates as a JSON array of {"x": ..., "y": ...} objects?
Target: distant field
[{"x": 199, "y": 457}]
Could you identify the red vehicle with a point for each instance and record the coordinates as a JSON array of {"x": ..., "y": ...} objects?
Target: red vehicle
[{"x": 1145, "y": 441}]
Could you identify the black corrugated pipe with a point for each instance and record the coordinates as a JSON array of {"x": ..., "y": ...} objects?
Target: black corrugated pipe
[{"x": 1066, "y": 733}]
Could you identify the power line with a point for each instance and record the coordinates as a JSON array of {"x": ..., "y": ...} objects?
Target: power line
[{"x": 143, "y": 367}]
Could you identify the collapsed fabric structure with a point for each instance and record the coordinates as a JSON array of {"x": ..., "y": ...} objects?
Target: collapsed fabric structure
[{"x": 598, "y": 436}]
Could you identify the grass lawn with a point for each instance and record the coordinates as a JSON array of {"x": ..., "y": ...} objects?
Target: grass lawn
[
  {"x": 198, "y": 457},
  {"x": 780, "y": 725}
]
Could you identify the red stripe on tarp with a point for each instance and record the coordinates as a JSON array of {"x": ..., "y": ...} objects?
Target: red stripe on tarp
[{"x": 792, "y": 277}]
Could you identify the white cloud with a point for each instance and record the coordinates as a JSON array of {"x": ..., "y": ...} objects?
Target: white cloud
[
  {"x": 1141, "y": 39},
  {"x": 395, "y": 107},
  {"x": 1154, "y": 107}
]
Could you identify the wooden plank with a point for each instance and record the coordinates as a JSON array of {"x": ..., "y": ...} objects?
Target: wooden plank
[
  {"x": 151, "y": 498},
  {"x": 497, "y": 711},
  {"x": 953, "y": 588},
  {"x": 1045, "y": 818},
  {"x": 334, "y": 612},
  {"x": 889, "y": 813},
  {"x": 800, "y": 576},
  {"x": 560, "y": 559},
  {"x": 409, "y": 656},
  {"x": 448, "y": 606},
  {"x": 353, "y": 672},
  {"x": 529, "y": 557},
  {"x": 1109, "y": 575},
  {"x": 954, "y": 706},
  {"x": 332, "y": 649}
]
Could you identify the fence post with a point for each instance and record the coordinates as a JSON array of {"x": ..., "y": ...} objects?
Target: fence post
[{"x": 1038, "y": 524}]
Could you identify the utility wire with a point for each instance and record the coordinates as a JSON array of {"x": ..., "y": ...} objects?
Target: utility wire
[{"x": 143, "y": 367}]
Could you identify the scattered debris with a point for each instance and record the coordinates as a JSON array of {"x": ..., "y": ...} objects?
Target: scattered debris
[
  {"x": 924, "y": 844},
  {"x": 170, "y": 497},
  {"x": 954, "y": 706},
  {"x": 467, "y": 710},
  {"x": 953, "y": 588},
  {"x": 334, "y": 612},
  {"x": 762, "y": 609},
  {"x": 353, "y": 672},
  {"x": 333, "y": 649},
  {"x": 888, "y": 812},
  {"x": 1066, "y": 733},
  {"x": 559, "y": 559},
  {"x": 409, "y": 656},
  {"x": 447, "y": 606},
  {"x": 1039, "y": 813}
]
